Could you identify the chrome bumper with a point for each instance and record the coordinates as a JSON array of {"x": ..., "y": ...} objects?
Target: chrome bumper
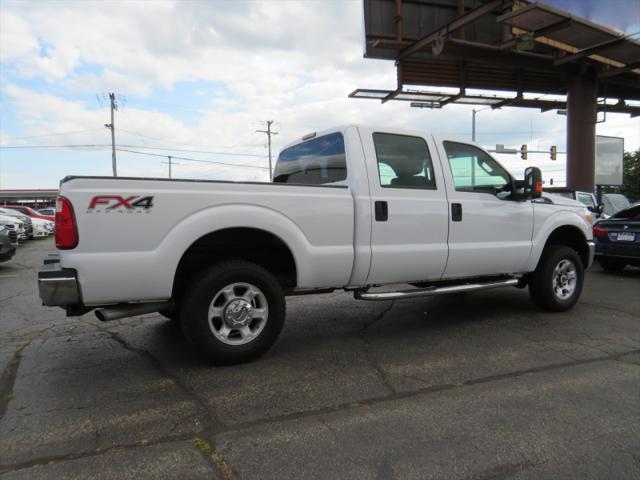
[
  {"x": 592, "y": 251},
  {"x": 58, "y": 286}
]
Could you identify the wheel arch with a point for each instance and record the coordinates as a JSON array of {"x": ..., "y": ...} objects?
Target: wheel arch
[
  {"x": 253, "y": 244},
  {"x": 572, "y": 237}
]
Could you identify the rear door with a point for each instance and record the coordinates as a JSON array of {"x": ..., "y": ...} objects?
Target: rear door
[
  {"x": 488, "y": 233},
  {"x": 409, "y": 207}
]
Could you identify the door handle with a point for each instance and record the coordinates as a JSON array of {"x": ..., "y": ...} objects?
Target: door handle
[
  {"x": 456, "y": 212},
  {"x": 382, "y": 211}
]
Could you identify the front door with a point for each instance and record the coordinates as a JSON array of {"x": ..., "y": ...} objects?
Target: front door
[{"x": 488, "y": 232}]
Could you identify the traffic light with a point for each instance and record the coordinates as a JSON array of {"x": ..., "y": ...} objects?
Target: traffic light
[
  {"x": 523, "y": 152},
  {"x": 554, "y": 152}
]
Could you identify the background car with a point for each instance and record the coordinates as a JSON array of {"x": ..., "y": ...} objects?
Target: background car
[
  {"x": 618, "y": 240},
  {"x": 15, "y": 225},
  {"x": 47, "y": 211},
  {"x": 28, "y": 223},
  {"x": 614, "y": 202},
  {"x": 42, "y": 228},
  {"x": 588, "y": 199},
  {"x": 7, "y": 243},
  {"x": 30, "y": 212}
]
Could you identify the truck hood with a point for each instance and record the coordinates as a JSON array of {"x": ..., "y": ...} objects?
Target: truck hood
[{"x": 560, "y": 200}]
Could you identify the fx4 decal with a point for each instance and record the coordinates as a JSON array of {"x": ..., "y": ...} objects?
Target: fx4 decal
[{"x": 130, "y": 204}]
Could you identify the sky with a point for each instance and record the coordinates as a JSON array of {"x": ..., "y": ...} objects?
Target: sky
[{"x": 196, "y": 79}]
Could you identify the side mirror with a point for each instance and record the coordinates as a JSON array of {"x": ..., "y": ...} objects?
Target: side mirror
[
  {"x": 600, "y": 209},
  {"x": 533, "y": 182}
]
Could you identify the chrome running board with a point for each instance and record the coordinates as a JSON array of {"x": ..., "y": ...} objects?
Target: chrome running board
[{"x": 433, "y": 291}]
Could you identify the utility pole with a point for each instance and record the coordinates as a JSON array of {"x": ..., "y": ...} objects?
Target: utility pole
[
  {"x": 473, "y": 122},
  {"x": 170, "y": 163},
  {"x": 269, "y": 133},
  {"x": 111, "y": 126}
]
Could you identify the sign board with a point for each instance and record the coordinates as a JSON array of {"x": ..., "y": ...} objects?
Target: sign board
[{"x": 609, "y": 160}]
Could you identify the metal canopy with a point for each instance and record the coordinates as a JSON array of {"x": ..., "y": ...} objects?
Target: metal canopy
[
  {"x": 510, "y": 46},
  {"x": 579, "y": 37},
  {"x": 440, "y": 99}
]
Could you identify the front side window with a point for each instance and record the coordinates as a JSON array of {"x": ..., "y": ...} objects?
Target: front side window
[
  {"x": 314, "y": 162},
  {"x": 403, "y": 161},
  {"x": 475, "y": 171}
]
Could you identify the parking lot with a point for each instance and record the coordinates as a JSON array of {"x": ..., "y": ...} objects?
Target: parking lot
[{"x": 475, "y": 386}]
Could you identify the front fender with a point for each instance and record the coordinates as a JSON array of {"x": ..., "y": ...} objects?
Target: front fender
[{"x": 547, "y": 219}]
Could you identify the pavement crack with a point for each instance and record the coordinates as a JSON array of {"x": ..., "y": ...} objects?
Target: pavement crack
[
  {"x": 427, "y": 390},
  {"x": 368, "y": 354},
  {"x": 21, "y": 293},
  {"x": 8, "y": 379},
  {"x": 500, "y": 472},
  {"x": 209, "y": 418},
  {"x": 92, "y": 453},
  {"x": 609, "y": 308}
]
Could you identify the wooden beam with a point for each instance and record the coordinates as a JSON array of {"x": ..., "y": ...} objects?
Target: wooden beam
[
  {"x": 612, "y": 72},
  {"x": 541, "y": 32},
  {"x": 586, "y": 52},
  {"x": 452, "y": 26}
]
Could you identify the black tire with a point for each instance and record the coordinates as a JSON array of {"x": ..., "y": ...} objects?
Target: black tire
[
  {"x": 611, "y": 266},
  {"x": 209, "y": 287},
  {"x": 541, "y": 282},
  {"x": 173, "y": 315}
]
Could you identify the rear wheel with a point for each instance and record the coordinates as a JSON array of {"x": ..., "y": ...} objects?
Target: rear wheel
[
  {"x": 611, "y": 266},
  {"x": 557, "y": 282},
  {"x": 234, "y": 312}
]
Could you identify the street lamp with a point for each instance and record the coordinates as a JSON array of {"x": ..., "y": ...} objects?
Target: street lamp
[{"x": 473, "y": 122}]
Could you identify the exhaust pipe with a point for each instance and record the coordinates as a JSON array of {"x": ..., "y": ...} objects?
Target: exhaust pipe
[{"x": 130, "y": 310}]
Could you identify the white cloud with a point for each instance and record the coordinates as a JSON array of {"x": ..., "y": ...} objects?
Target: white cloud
[{"x": 294, "y": 62}]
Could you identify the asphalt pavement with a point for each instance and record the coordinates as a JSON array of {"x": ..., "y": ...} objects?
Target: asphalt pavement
[{"x": 473, "y": 386}]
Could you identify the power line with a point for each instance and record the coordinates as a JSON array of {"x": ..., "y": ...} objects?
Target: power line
[
  {"x": 145, "y": 147},
  {"x": 192, "y": 159},
  {"x": 229, "y": 154},
  {"x": 237, "y": 144}
]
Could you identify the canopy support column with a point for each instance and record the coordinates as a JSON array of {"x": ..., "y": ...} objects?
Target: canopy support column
[{"x": 581, "y": 133}]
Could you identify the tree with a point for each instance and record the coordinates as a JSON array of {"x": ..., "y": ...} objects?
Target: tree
[
  {"x": 631, "y": 177},
  {"x": 631, "y": 187}
]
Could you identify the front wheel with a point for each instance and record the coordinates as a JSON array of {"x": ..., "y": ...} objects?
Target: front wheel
[
  {"x": 233, "y": 312},
  {"x": 557, "y": 282}
]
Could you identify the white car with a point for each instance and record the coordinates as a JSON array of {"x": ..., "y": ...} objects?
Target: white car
[
  {"x": 41, "y": 228},
  {"x": 13, "y": 223}
]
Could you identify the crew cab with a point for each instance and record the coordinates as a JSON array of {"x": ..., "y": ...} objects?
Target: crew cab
[{"x": 355, "y": 208}]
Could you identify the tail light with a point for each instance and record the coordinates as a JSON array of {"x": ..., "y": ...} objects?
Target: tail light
[
  {"x": 66, "y": 228},
  {"x": 599, "y": 232}
]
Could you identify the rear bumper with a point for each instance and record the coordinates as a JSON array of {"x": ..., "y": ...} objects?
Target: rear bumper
[
  {"x": 58, "y": 286},
  {"x": 592, "y": 249},
  {"x": 618, "y": 250}
]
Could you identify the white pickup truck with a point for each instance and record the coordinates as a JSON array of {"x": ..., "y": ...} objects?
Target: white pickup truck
[{"x": 350, "y": 208}]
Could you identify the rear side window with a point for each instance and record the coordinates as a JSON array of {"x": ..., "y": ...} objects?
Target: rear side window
[
  {"x": 403, "y": 161},
  {"x": 314, "y": 162}
]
